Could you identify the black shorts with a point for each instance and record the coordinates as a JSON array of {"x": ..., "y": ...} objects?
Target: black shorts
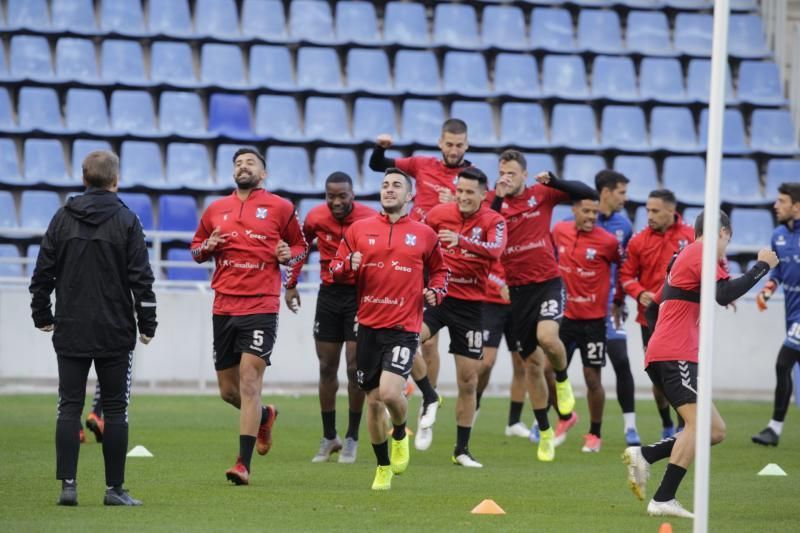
[
  {"x": 464, "y": 321},
  {"x": 588, "y": 336},
  {"x": 676, "y": 379},
  {"x": 383, "y": 349},
  {"x": 234, "y": 335},
  {"x": 496, "y": 323},
  {"x": 335, "y": 319},
  {"x": 532, "y": 303}
]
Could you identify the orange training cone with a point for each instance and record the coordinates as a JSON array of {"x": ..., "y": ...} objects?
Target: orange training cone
[
  {"x": 488, "y": 507},
  {"x": 666, "y": 527}
]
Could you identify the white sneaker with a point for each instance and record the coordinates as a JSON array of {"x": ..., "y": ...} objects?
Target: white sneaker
[
  {"x": 466, "y": 459},
  {"x": 423, "y": 438},
  {"x": 670, "y": 508},
  {"x": 427, "y": 415},
  {"x": 638, "y": 470},
  {"x": 327, "y": 447},
  {"x": 349, "y": 451},
  {"x": 518, "y": 430}
]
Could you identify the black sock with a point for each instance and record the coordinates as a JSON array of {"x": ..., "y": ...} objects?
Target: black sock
[
  {"x": 478, "y": 400},
  {"x": 115, "y": 449},
  {"x": 329, "y": 424},
  {"x": 429, "y": 394},
  {"x": 660, "y": 450},
  {"x": 669, "y": 485},
  {"x": 462, "y": 439},
  {"x": 561, "y": 375},
  {"x": 246, "y": 445},
  {"x": 594, "y": 428},
  {"x": 562, "y": 416},
  {"x": 353, "y": 423},
  {"x": 541, "y": 419},
  {"x": 264, "y": 414},
  {"x": 514, "y": 413},
  {"x": 666, "y": 420},
  {"x": 399, "y": 432},
  {"x": 382, "y": 453}
]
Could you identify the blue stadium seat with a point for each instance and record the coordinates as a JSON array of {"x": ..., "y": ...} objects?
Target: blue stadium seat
[
  {"x": 169, "y": 17},
  {"x": 75, "y": 60},
  {"x": 223, "y": 167},
  {"x": 122, "y": 61},
  {"x": 693, "y": 33},
  {"x": 465, "y": 73},
  {"x": 614, "y": 78},
  {"x": 9, "y": 164},
  {"x": 609, "y": 40},
  {"x": 31, "y": 14},
  {"x": 640, "y": 219},
  {"x": 672, "y": 128},
  {"x": 648, "y": 33},
  {"x": 416, "y": 71},
  {"x": 326, "y": 118},
  {"x": 9, "y": 251},
  {"x": 746, "y": 36},
  {"x": 30, "y": 57},
  {"x": 73, "y": 15},
  {"x": 311, "y": 20},
  {"x": 504, "y": 27},
  {"x": 564, "y": 76},
  {"x": 176, "y": 273},
  {"x": 132, "y": 112},
  {"x": 739, "y": 182},
  {"x": 422, "y": 120},
  {"x": 760, "y": 83},
  {"x": 3, "y": 65},
  {"x": 80, "y": 149},
  {"x": 216, "y": 18},
  {"x": 536, "y": 164},
  {"x": 487, "y": 162},
  {"x": 573, "y": 126},
  {"x": 7, "y": 121},
  {"x": 455, "y": 25},
  {"x": 140, "y": 204},
  {"x": 318, "y": 69},
  {"x": 371, "y": 117},
  {"x": 264, "y": 19},
  {"x": 516, "y": 75},
  {"x": 122, "y": 16},
  {"x": 641, "y": 170},
  {"x": 523, "y": 125},
  {"x": 39, "y": 109},
  {"x": 356, "y": 22},
  {"x": 690, "y": 214},
  {"x": 210, "y": 199},
  {"x": 779, "y": 171},
  {"x": 551, "y": 29},
  {"x": 368, "y": 70},
  {"x": 289, "y": 170},
  {"x": 188, "y": 165},
  {"x": 277, "y": 117},
  {"x": 478, "y": 115},
  {"x": 305, "y": 205},
  {"x": 662, "y": 79},
  {"x": 171, "y": 62},
  {"x": 734, "y": 268},
  {"x": 405, "y": 23},
  {"x": 686, "y": 177},
  {"x": 698, "y": 81},
  {"x": 8, "y": 211},
  {"x": 772, "y": 131},
  {"x": 733, "y": 138},
  {"x": 271, "y": 66},
  {"x": 32, "y": 255},
  {"x": 177, "y": 213},
  {"x": 222, "y": 65},
  {"x": 623, "y": 127},
  {"x": 86, "y": 110},
  {"x": 560, "y": 213},
  {"x": 583, "y": 167},
  {"x": 230, "y": 115},
  {"x": 371, "y": 180},
  {"x": 182, "y": 114},
  {"x": 329, "y": 160},
  {"x": 36, "y": 208},
  {"x": 689, "y": 4},
  {"x": 140, "y": 164},
  {"x": 752, "y": 229}
]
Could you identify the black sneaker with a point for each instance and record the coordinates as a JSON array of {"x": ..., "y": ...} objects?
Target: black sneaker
[
  {"x": 119, "y": 497},
  {"x": 767, "y": 437},
  {"x": 69, "y": 494}
]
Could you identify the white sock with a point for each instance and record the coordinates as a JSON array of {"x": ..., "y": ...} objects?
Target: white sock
[
  {"x": 776, "y": 426},
  {"x": 630, "y": 420}
]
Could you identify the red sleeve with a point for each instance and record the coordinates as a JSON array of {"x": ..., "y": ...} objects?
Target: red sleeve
[
  {"x": 629, "y": 272},
  {"x": 309, "y": 235},
  {"x": 438, "y": 273},
  {"x": 722, "y": 272},
  {"x": 340, "y": 264},
  {"x": 292, "y": 234},
  {"x": 200, "y": 236},
  {"x": 554, "y": 196},
  {"x": 495, "y": 242},
  {"x": 407, "y": 165}
]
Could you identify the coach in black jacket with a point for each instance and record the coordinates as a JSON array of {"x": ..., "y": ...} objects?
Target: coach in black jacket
[{"x": 94, "y": 256}]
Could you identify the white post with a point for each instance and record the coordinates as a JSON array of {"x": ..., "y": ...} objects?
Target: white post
[{"x": 719, "y": 64}]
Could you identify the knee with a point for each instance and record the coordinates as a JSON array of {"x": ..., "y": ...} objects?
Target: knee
[
  {"x": 594, "y": 384},
  {"x": 327, "y": 371},
  {"x": 534, "y": 366},
  {"x": 718, "y": 433},
  {"x": 549, "y": 341},
  {"x": 468, "y": 384},
  {"x": 374, "y": 403},
  {"x": 229, "y": 395},
  {"x": 390, "y": 397}
]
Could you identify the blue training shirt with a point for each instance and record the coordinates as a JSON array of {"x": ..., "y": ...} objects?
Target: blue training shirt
[
  {"x": 786, "y": 243},
  {"x": 620, "y": 226}
]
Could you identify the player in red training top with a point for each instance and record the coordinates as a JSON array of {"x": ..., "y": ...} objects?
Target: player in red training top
[
  {"x": 646, "y": 259},
  {"x": 535, "y": 286},
  {"x": 248, "y": 234},
  {"x": 335, "y": 318},
  {"x": 586, "y": 253},
  {"x": 389, "y": 255},
  {"x": 672, "y": 358}
]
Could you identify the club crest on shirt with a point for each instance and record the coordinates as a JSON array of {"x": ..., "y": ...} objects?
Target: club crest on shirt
[
  {"x": 532, "y": 201},
  {"x": 261, "y": 212},
  {"x": 591, "y": 253},
  {"x": 780, "y": 241},
  {"x": 371, "y": 242},
  {"x": 476, "y": 233},
  {"x": 411, "y": 239},
  {"x": 682, "y": 243}
]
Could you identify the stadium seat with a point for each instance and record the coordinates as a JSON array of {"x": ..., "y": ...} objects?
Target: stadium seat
[
  {"x": 277, "y": 117},
  {"x": 422, "y": 120},
  {"x": 465, "y": 73},
  {"x": 583, "y": 167},
  {"x": 329, "y": 160},
  {"x": 80, "y": 149},
  {"x": 30, "y": 14},
  {"x": 356, "y": 22},
  {"x": 30, "y": 57},
  {"x": 739, "y": 183},
  {"x": 772, "y": 131},
  {"x": 368, "y": 70},
  {"x": 573, "y": 126},
  {"x": 564, "y": 76},
  {"x": 416, "y": 72},
  {"x": 8, "y": 211},
  {"x": 478, "y": 115},
  {"x": 169, "y": 17},
  {"x": 640, "y": 219},
  {"x": 73, "y": 15},
  {"x": 661, "y": 79},
  {"x": 614, "y": 78},
  {"x": 289, "y": 170},
  {"x": 648, "y": 33},
  {"x": 623, "y": 128},
  {"x": 405, "y": 23},
  {"x": 536, "y": 163},
  {"x": 609, "y": 40},
  {"x": 551, "y": 29},
  {"x": 75, "y": 60},
  {"x": 310, "y": 20},
  {"x": 516, "y": 75},
  {"x": 132, "y": 112},
  {"x": 734, "y": 268},
  {"x": 176, "y": 273},
  {"x": 264, "y": 19},
  {"x": 686, "y": 177},
  {"x": 455, "y": 25},
  {"x": 222, "y": 65},
  {"x": 188, "y": 165},
  {"x": 86, "y": 110},
  {"x": 3, "y": 65},
  {"x": 9, "y": 163},
  {"x": 760, "y": 83},
  {"x": 318, "y": 69},
  {"x": 32, "y": 255},
  {"x": 305, "y": 205},
  {"x": 641, "y": 171},
  {"x": 210, "y": 199},
  {"x": 223, "y": 167},
  {"x": 177, "y": 213},
  {"x": 39, "y": 109},
  {"x": 698, "y": 81},
  {"x": 746, "y": 36},
  {"x": 271, "y": 66},
  {"x": 171, "y": 62},
  {"x": 122, "y": 16},
  {"x": 504, "y": 27},
  {"x": 7, "y": 122},
  {"x": 36, "y": 209},
  {"x": 182, "y": 114},
  {"x": 752, "y": 229},
  {"x": 10, "y": 251},
  {"x": 523, "y": 125},
  {"x": 672, "y": 128},
  {"x": 326, "y": 119},
  {"x": 690, "y": 214},
  {"x": 229, "y": 115},
  {"x": 371, "y": 117},
  {"x": 779, "y": 171},
  {"x": 487, "y": 162},
  {"x": 371, "y": 180},
  {"x": 140, "y": 164},
  {"x": 140, "y": 204},
  {"x": 693, "y": 33},
  {"x": 216, "y": 18},
  {"x": 560, "y": 213},
  {"x": 733, "y": 137},
  {"x": 123, "y": 62}
]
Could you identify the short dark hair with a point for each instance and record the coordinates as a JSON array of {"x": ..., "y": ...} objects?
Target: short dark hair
[
  {"x": 395, "y": 170},
  {"x": 665, "y": 195},
  {"x": 249, "y": 150},
  {"x": 516, "y": 156},
  {"x": 339, "y": 177},
  {"x": 100, "y": 168},
  {"x": 475, "y": 174},
  {"x": 790, "y": 189},
  {"x": 724, "y": 223},
  {"x": 456, "y": 126},
  {"x": 609, "y": 179}
]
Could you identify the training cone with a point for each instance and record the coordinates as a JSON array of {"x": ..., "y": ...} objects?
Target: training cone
[
  {"x": 488, "y": 507},
  {"x": 139, "y": 451},
  {"x": 772, "y": 470},
  {"x": 666, "y": 527}
]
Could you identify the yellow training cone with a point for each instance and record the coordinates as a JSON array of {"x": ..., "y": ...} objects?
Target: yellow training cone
[{"x": 488, "y": 507}]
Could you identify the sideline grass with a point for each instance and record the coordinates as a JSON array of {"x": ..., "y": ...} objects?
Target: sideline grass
[{"x": 194, "y": 439}]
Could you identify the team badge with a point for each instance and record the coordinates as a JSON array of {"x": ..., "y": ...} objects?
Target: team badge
[
  {"x": 780, "y": 241},
  {"x": 371, "y": 242},
  {"x": 261, "y": 212},
  {"x": 590, "y": 254},
  {"x": 532, "y": 201},
  {"x": 411, "y": 239},
  {"x": 682, "y": 243}
]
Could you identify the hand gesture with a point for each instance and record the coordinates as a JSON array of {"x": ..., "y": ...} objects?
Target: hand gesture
[
  {"x": 765, "y": 294},
  {"x": 504, "y": 293},
  {"x": 502, "y": 187},
  {"x": 544, "y": 177},
  {"x": 448, "y": 237},
  {"x": 214, "y": 240},
  {"x": 384, "y": 140},
  {"x": 48, "y": 328},
  {"x": 283, "y": 252},
  {"x": 144, "y": 339},
  {"x": 769, "y": 257},
  {"x": 430, "y": 297},
  {"x": 355, "y": 260},
  {"x": 445, "y": 196},
  {"x": 646, "y": 298},
  {"x": 292, "y": 299}
]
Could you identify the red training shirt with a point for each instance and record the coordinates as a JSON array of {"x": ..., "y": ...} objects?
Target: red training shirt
[
  {"x": 432, "y": 176},
  {"x": 494, "y": 283}
]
